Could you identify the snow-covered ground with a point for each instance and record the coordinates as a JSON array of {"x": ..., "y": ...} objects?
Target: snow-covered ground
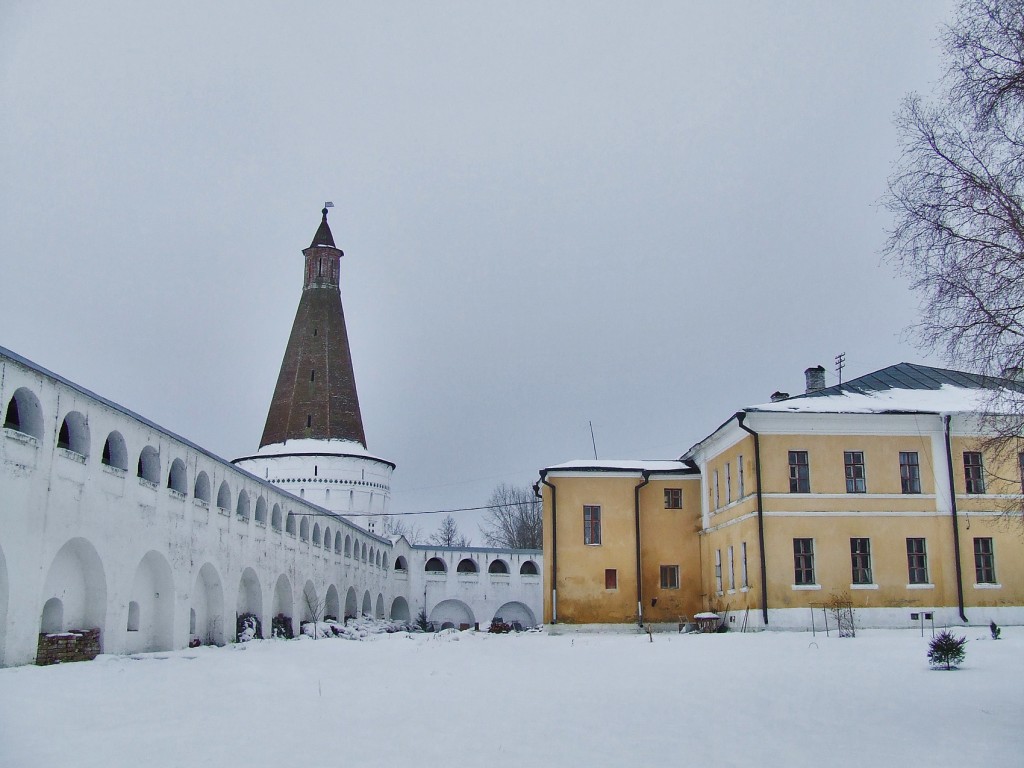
[{"x": 527, "y": 699}]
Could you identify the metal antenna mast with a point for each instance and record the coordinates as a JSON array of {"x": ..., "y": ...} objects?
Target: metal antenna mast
[
  {"x": 840, "y": 364},
  {"x": 592, "y": 440}
]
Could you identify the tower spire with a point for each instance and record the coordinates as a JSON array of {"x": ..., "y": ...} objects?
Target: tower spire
[{"x": 316, "y": 393}]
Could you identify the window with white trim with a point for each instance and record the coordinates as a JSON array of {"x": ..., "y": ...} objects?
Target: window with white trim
[
  {"x": 860, "y": 559},
  {"x": 917, "y": 561},
  {"x": 974, "y": 472},
  {"x": 856, "y": 481},
  {"x": 910, "y": 472},
  {"x": 803, "y": 561},
  {"x": 984, "y": 560},
  {"x": 799, "y": 472},
  {"x": 591, "y": 524}
]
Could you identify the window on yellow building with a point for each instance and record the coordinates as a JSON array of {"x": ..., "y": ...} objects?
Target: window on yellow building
[
  {"x": 611, "y": 578},
  {"x": 728, "y": 483},
  {"x": 917, "y": 561},
  {"x": 974, "y": 472},
  {"x": 591, "y": 524},
  {"x": 1020, "y": 462},
  {"x": 718, "y": 571},
  {"x": 984, "y": 561},
  {"x": 910, "y": 472},
  {"x": 860, "y": 555},
  {"x": 670, "y": 577},
  {"x": 799, "y": 472},
  {"x": 739, "y": 471},
  {"x": 673, "y": 498},
  {"x": 743, "y": 563},
  {"x": 803, "y": 561},
  {"x": 732, "y": 569},
  {"x": 856, "y": 481},
  {"x": 718, "y": 495}
]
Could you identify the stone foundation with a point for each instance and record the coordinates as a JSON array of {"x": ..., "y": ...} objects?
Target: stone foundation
[{"x": 73, "y": 645}]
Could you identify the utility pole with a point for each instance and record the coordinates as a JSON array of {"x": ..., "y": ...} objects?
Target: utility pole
[{"x": 840, "y": 364}]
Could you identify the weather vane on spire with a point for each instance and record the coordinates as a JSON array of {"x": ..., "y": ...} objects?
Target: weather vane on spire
[{"x": 326, "y": 206}]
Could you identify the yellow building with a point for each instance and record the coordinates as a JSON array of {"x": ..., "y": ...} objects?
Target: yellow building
[{"x": 881, "y": 492}]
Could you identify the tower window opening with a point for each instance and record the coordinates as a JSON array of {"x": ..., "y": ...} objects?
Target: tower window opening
[
  {"x": 309, "y": 420},
  {"x": 312, "y": 375},
  {"x": 314, "y": 331}
]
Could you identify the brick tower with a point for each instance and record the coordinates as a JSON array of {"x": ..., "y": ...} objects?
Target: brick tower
[
  {"x": 316, "y": 389},
  {"x": 313, "y": 443}
]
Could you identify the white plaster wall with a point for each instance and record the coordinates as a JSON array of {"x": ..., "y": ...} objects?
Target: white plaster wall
[
  {"x": 49, "y": 496},
  {"x": 134, "y": 540},
  {"x": 483, "y": 593}
]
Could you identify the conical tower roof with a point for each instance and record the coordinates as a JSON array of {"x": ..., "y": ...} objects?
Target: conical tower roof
[{"x": 316, "y": 394}]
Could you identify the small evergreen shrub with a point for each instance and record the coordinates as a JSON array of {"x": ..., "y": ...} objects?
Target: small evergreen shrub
[
  {"x": 421, "y": 621},
  {"x": 946, "y": 649}
]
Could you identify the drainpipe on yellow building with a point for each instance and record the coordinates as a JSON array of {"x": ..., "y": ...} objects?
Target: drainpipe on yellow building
[
  {"x": 956, "y": 525},
  {"x": 760, "y": 513},
  {"x": 639, "y": 573},
  {"x": 554, "y": 547}
]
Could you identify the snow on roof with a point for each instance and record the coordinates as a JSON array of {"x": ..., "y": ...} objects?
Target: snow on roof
[
  {"x": 947, "y": 398},
  {"x": 316, "y": 447},
  {"x": 631, "y": 465}
]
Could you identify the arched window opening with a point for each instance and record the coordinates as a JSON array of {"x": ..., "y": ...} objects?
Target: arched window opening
[
  {"x": 498, "y": 566},
  {"x": 385, "y": 561},
  {"x": 24, "y": 414},
  {"x": 364, "y": 553},
  {"x": 378, "y": 558},
  {"x": 224, "y": 496},
  {"x": 275, "y": 518},
  {"x": 435, "y": 565},
  {"x": 290, "y": 524},
  {"x": 53, "y": 616},
  {"x": 202, "y": 487},
  {"x": 133, "y": 616},
  {"x": 242, "y": 508},
  {"x": 74, "y": 434},
  {"x": 261, "y": 511},
  {"x": 176, "y": 477},
  {"x": 115, "y": 452},
  {"x": 467, "y": 565},
  {"x": 529, "y": 568},
  {"x": 371, "y": 556},
  {"x": 304, "y": 529},
  {"x": 337, "y": 542},
  {"x": 316, "y": 534},
  {"x": 348, "y": 546},
  {"x": 401, "y": 564},
  {"x": 149, "y": 465},
  {"x": 327, "y": 538}
]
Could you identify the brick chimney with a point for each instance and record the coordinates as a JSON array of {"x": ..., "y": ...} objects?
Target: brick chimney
[{"x": 815, "y": 379}]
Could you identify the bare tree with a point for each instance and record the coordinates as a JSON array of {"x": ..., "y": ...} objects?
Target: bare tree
[
  {"x": 448, "y": 534},
  {"x": 956, "y": 193},
  {"x": 315, "y": 609},
  {"x": 514, "y": 518},
  {"x": 957, "y": 199},
  {"x": 396, "y": 526}
]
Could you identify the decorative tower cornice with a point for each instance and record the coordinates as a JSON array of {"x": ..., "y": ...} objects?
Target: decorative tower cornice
[{"x": 316, "y": 397}]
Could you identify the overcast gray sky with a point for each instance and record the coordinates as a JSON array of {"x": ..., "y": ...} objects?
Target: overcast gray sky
[{"x": 646, "y": 215}]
